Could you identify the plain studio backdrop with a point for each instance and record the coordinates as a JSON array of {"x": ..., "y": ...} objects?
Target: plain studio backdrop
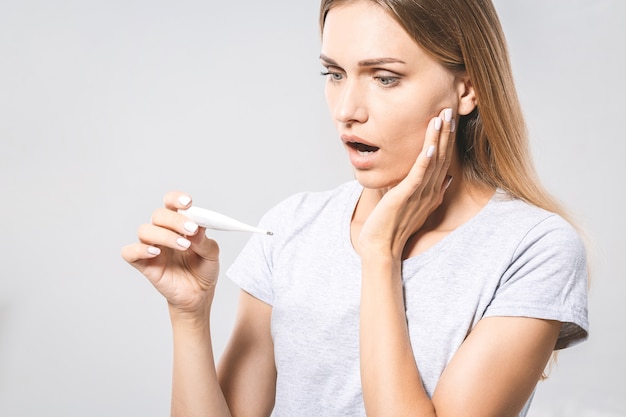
[{"x": 107, "y": 104}]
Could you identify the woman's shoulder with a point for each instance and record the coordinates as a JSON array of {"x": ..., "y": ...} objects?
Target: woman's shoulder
[
  {"x": 506, "y": 206},
  {"x": 534, "y": 225}
]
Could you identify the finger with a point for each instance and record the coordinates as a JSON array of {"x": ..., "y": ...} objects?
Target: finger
[
  {"x": 174, "y": 221},
  {"x": 445, "y": 147},
  {"x": 175, "y": 200},
  {"x": 444, "y": 186},
  {"x": 159, "y": 236},
  {"x": 437, "y": 135},
  {"x": 204, "y": 247},
  {"x": 431, "y": 140},
  {"x": 418, "y": 175},
  {"x": 447, "y": 137},
  {"x": 138, "y": 252},
  {"x": 193, "y": 236}
]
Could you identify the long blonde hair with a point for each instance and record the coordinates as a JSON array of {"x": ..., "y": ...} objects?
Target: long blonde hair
[{"x": 465, "y": 36}]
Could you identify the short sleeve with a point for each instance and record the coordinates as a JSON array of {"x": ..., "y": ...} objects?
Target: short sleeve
[
  {"x": 252, "y": 269},
  {"x": 547, "y": 279}
]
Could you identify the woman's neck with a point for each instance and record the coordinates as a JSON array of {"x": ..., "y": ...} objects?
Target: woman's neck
[{"x": 462, "y": 201}]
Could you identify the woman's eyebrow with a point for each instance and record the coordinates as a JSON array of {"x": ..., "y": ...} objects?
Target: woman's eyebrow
[
  {"x": 328, "y": 60},
  {"x": 380, "y": 61},
  {"x": 366, "y": 62}
]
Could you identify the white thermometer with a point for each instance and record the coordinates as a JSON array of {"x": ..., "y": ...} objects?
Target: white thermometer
[{"x": 216, "y": 221}]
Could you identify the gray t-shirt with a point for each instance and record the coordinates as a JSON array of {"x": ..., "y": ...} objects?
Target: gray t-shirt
[{"x": 511, "y": 259}]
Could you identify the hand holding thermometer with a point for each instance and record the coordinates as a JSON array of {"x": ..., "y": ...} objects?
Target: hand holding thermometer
[{"x": 216, "y": 221}]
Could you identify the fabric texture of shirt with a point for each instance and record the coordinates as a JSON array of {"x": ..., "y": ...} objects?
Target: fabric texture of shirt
[{"x": 511, "y": 259}]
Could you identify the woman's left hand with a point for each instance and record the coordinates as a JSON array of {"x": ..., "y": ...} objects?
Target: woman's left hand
[{"x": 404, "y": 208}]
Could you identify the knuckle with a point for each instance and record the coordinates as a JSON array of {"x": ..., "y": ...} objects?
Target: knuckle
[
  {"x": 158, "y": 215},
  {"x": 125, "y": 253},
  {"x": 169, "y": 197},
  {"x": 142, "y": 230},
  {"x": 134, "y": 254},
  {"x": 172, "y": 198}
]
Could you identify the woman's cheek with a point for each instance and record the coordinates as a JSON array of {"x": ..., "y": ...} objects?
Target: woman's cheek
[{"x": 407, "y": 154}]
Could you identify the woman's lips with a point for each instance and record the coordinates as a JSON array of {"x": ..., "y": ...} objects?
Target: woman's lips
[
  {"x": 362, "y": 148},
  {"x": 362, "y": 154}
]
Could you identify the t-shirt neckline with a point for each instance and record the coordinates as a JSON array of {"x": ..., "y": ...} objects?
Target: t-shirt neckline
[{"x": 350, "y": 207}]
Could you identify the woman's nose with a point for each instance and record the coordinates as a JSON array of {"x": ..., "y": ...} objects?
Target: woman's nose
[{"x": 350, "y": 105}]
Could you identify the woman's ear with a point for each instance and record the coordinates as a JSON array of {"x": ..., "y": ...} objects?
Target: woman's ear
[{"x": 467, "y": 95}]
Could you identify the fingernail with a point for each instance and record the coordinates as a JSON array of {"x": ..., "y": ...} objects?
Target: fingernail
[
  {"x": 182, "y": 242},
  {"x": 437, "y": 123},
  {"x": 449, "y": 181},
  {"x": 430, "y": 151},
  {"x": 452, "y": 125},
  {"x": 184, "y": 200},
  {"x": 154, "y": 250},
  {"x": 447, "y": 115},
  {"x": 191, "y": 227}
]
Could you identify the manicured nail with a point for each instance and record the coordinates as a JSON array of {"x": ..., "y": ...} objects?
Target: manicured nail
[
  {"x": 154, "y": 250},
  {"x": 184, "y": 200},
  {"x": 437, "y": 123},
  {"x": 191, "y": 227},
  {"x": 452, "y": 125},
  {"x": 183, "y": 243},
  {"x": 447, "y": 115},
  {"x": 430, "y": 151},
  {"x": 449, "y": 182}
]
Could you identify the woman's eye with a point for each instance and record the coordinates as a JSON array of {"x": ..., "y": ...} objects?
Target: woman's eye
[
  {"x": 387, "y": 81},
  {"x": 334, "y": 76}
]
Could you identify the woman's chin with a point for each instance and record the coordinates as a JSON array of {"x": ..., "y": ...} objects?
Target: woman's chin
[{"x": 375, "y": 180}]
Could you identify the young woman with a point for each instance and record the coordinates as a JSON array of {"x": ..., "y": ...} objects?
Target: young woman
[{"x": 438, "y": 283}]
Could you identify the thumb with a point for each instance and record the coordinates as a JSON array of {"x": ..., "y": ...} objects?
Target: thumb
[{"x": 203, "y": 246}]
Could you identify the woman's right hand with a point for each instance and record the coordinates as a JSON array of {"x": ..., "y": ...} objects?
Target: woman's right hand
[{"x": 177, "y": 257}]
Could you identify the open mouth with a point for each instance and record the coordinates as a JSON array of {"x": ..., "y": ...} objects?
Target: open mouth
[{"x": 362, "y": 148}]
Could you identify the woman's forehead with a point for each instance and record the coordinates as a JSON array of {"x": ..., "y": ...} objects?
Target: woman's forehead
[{"x": 363, "y": 30}]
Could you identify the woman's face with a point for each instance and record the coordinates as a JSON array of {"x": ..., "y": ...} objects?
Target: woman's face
[{"x": 382, "y": 90}]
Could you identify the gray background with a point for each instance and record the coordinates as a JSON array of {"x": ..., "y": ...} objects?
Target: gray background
[{"x": 106, "y": 105}]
